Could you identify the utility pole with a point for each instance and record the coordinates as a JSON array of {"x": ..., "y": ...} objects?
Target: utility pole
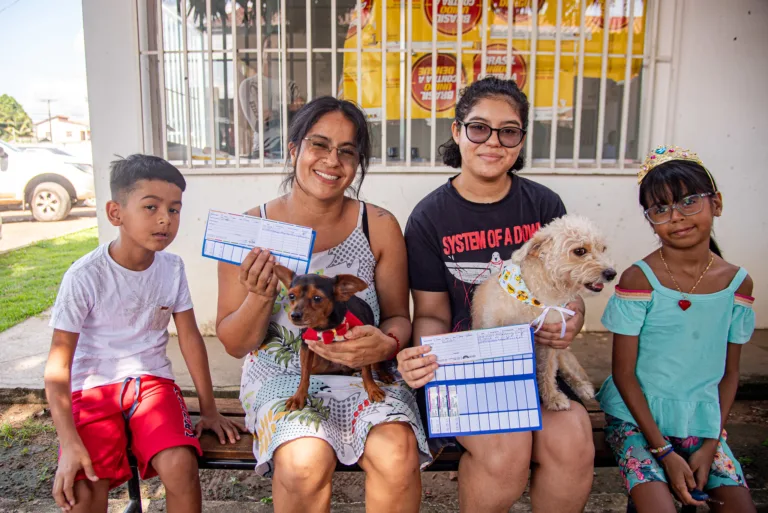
[{"x": 50, "y": 124}]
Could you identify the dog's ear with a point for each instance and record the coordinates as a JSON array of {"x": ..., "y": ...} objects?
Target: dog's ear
[
  {"x": 535, "y": 245},
  {"x": 285, "y": 275},
  {"x": 346, "y": 285}
]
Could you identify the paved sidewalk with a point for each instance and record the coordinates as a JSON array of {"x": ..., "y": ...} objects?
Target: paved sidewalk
[
  {"x": 20, "y": 230},
  {"x": 24, "y": 349}
]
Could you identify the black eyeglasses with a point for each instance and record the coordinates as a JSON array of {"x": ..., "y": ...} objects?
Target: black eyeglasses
[
  {"x": 478, "y": 133},
  {"x": 688, "y": 206}
]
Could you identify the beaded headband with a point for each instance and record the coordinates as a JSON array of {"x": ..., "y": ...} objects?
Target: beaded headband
[{"x": 664, "y": 154}]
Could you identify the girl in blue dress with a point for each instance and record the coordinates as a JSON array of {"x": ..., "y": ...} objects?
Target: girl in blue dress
[{"x": 679, "y": 318}]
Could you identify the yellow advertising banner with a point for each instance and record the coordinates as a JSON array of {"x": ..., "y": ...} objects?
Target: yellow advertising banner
[{"x": 498, "y": 24}]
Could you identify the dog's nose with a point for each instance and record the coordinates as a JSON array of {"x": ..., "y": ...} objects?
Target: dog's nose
[
  {"x": 296, "y": 316},
  {"x": 609, "y": 274}
]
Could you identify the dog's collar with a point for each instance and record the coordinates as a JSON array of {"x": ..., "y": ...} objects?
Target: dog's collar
[
  {"x": 511, "y": 280},
  {"x": 334, "y": 334}
]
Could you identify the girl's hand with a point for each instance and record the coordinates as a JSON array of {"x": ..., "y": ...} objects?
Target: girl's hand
[
  {"x": 74, "y": 457},
  {"x": 256, "y": 273},
  {"x": 701, "y": 461},
  {"x": 549, "y": 334},
  {"x": 364, "y": 345},
  {"x": 416, "y": 369},
  {"x": 220, "y": 425},
  {"x": 680, "y": 479}
]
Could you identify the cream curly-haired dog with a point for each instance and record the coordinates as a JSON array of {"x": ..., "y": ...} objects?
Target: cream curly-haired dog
[{"x": 563, "y": 260}]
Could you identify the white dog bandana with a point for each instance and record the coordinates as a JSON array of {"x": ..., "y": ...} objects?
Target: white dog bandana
[{"x": 511, "y": 280}]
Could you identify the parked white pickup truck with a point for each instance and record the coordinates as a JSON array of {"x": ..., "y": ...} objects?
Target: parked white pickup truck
[{"x": 47, "y": 184}]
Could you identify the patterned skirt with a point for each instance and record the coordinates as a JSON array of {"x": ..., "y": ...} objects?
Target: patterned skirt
[
  {"x": 637, "y": 465},
  {"x": 337, "y": 411}
]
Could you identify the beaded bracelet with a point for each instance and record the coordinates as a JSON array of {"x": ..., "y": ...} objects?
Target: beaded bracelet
[
  {"x": 663, "y": 455},
  {"x": 659, "y": 450},
  {"x": 397, "y": 346}
]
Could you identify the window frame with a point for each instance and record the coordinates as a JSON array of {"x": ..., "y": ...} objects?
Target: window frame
[{"x": 155, "y": 129}]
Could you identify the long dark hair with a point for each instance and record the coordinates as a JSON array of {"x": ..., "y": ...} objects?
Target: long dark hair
[
  {"x": 489, "y": 87},
  {"x": 672, "y": 181},
  {"x": 306, "y": 118}
]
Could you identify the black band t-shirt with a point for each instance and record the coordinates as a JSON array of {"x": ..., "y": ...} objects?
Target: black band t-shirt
[{"x": 455, "y": 244}]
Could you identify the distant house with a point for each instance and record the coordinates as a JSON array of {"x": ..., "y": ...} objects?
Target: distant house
[{"x": 64, "y": 130}]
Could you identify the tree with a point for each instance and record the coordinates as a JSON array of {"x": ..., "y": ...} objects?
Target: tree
[{"x": 14, "y": 121}]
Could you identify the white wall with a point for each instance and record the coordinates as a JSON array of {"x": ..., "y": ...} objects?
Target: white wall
[
  {"x": 592, "y": 196},
  {"x": 112, "y": 70},
  {"x": 722, "y": 112},
  {"x": 717, "y": 110}
]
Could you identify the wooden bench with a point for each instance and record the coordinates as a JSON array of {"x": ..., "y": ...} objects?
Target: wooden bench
[{"x": 239, "y": 456}]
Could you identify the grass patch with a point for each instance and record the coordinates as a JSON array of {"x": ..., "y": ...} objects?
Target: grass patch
[
  {"x": 10, "y": 436},
  {"x": 45, "y": 474},
  {"x": 30, "y": 276}
]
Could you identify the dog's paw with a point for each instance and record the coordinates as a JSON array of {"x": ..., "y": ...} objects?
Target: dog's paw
[
  {"x": 585, "y": 392},
  {"x": 296, "y": 402},
  {"x": 375, "y": 394},
  {"x": 558, "y": 402},
  {"x": 386, "y": 377}
]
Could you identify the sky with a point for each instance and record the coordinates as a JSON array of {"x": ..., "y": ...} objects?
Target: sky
[{"x": 42, "y": 55}]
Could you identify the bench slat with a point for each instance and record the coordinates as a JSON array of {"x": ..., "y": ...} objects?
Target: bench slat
[
  {"x": 242, "y": 450},
  {"x": 230, "y": 407},
  {"x": 597, "y": 419},
  {"x": 240, "y": 454},
  {"x": 227, "y": 407}
]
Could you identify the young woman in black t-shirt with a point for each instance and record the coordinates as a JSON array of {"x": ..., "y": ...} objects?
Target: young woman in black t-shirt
[{"x": 458, "y": 236}]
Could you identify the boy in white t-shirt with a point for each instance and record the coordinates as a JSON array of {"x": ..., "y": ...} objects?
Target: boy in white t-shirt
[{"x": 108, "y": 355}]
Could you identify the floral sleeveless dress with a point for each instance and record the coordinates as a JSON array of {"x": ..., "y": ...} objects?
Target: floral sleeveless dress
[{"x": 338, "y": 409}]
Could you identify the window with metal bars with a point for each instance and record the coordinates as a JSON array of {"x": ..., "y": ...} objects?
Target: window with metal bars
[{"x": 222, "y": 79}]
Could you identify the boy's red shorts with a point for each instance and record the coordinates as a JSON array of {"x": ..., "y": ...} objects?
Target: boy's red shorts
[{"x": 159, "y": 422}]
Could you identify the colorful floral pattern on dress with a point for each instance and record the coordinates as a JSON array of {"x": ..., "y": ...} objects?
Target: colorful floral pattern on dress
[{"x": 637, "y": 465}]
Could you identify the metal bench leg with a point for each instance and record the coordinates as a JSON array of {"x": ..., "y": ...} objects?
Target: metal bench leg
[{"x": 134, "y": 492}]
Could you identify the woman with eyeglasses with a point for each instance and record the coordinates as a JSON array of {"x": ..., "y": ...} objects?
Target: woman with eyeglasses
[
  {"x": 458, "y": 236},
  {"x": 680, "y": 317},
  {"x": 330, "y": 146}
]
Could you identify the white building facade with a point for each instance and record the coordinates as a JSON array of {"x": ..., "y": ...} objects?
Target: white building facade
[
  {"x": 608, "y": 81},
  {"x": 62, "y": 130}
]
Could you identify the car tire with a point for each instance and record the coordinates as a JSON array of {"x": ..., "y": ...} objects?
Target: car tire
[{"x": 50, "y": 202}]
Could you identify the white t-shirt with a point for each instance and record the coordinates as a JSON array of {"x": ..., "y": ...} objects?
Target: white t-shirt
[{"x": 121, "y": 315}]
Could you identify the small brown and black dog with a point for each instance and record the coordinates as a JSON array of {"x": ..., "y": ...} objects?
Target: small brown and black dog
[{"x": 325, "y": 308}]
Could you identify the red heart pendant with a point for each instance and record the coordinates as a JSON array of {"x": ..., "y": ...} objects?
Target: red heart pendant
[{"x": 684, "y": 304}]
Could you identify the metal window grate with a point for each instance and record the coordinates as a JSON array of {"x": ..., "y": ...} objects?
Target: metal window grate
[{"x": 198, "y": 118}]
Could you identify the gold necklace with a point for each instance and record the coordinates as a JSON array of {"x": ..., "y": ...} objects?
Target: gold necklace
[{"x": 685, "y": 303}]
